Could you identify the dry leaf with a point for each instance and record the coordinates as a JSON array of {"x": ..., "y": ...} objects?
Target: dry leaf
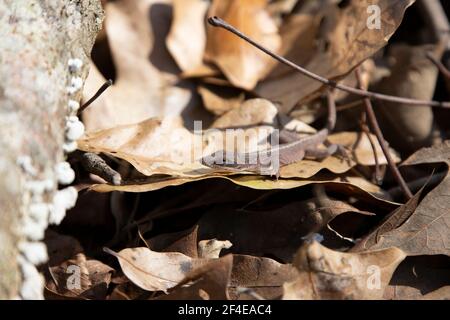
[
  {"x": 61, "y": 247},
  {"x": 286, "y": 225},
  {"x": 210, "y": 249},
  {"x": 146, "y": 84},
  {"x": 412, "y": 76},
  {"x": 70, "y": 273},
  {"x": 418, "y": 278},
  {"x": 426, "y": 230},
  {"x": 391, "y": 222},
  {"x": 352, "y": 184},
  {"x": 328, "y": 274},
  {"x": 187, "y": 38},
  {"x": 94, "y": 278},
  {"x": 220, "y": 99},
  {"x": 299, "y": 33},
  {"x": 263, "y": 276},
  {"x": 440, "y": 294},
  {"x": 362, "y": 153},
  {"x": 155, "y": 271},
  {"x": 127, "y": 291},
  {"x": 242, "y": 64},
  {"x": 184, "y": 242},
  {"x": 203, "y": 194},
  {"x": 208, "y": 282},
  {"x": 251, "y": 113},
  {"x": 140, "y": 144},
  {"x": 346, "y": 42}
]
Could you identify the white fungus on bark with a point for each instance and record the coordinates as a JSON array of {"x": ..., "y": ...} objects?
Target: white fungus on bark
[
  {"x": 32, "y": 282},
  {"x": 75, "y": 65},
  {"x": 39, "y": 211},
  {"x": 76, "y": 83},
  {"x": 34, "y": 252},
  {"x": 64, "y": 173},
  {"x": 70, "y": 146},
  {"x": 33, "y": 229},
  {"x": 74, "y": 128},
  {"x": 63, "y": 200}
]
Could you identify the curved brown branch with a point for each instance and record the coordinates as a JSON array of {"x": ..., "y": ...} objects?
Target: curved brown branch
[
  {"x": 376, "y": 129},
  {"x": 217, "y": 22}
]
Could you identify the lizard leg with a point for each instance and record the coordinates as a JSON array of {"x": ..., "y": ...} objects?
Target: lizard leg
[
  {"x": 332, "y": 149},
  {"x": 343, "y": 154}
]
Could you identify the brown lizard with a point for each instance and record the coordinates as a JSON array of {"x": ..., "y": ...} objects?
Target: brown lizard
[{"x": 269, "y": 161}]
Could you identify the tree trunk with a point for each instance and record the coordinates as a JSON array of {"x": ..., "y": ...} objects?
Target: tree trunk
[{"x": 38, "y": 37}]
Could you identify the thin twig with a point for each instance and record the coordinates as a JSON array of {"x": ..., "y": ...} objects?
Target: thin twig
[
  {"x": 376, "y": 129},
  {"x": 217, "y": 22},
  {"x": 366, "y": 130},
  {"x": 102, "y": 89},
  {"x": 442, "y": 69}
]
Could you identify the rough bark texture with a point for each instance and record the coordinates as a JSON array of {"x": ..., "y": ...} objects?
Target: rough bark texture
[{"x": 38, "y": 37}]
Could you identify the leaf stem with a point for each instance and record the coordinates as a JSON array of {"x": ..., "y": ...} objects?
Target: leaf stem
[{"x": 102, "y": 89}]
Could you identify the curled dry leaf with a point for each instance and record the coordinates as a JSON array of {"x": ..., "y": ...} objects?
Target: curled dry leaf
[
  {"x": 145, "y": 84},
  {"x": 242, "y": 64},
  {"x": 222, "y": 279},
  {"x": 425, "y": 232},
  {"x": 61, "y": 247},
  {"x": 187, "y": 38},
  {"x": 155, "y": 271},
  {"x": 251, "y": 113},
  {"x": 220, "y": 99},
  {"x": 413, "y": 76},
  {"x": 285, "y": 226},
  {"x": 362, "y": 153},
  {"x": 210, "y": 249},
  {"x": 263, "y": 276},
  {"x": 347, "y": 41},
  {"x": 140, "y": 144},
  {"x": 299, "y": 33},
  {"x": 70, "y": 273},
  {"x": 280, "y": 8},
  {"x": 184, "y": 242},
  {"x": 420, "y": 277},
  {"x": 208, "y": 282},
  {"x": 389, "y": 223},
  {"x": 439, "y": 294},
  {"x": 202, "y": 194},
  {"x": 80, "y": 277},
  {"x": 328, "y": 274},
  {"x": 354, "y": 185}
]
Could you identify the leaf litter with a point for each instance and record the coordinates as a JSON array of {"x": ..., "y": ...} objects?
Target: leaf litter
[{"x": 326, "y": 227}]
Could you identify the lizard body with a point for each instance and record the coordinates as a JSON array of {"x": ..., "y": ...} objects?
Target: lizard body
[{"x": 269, "y": 161}]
